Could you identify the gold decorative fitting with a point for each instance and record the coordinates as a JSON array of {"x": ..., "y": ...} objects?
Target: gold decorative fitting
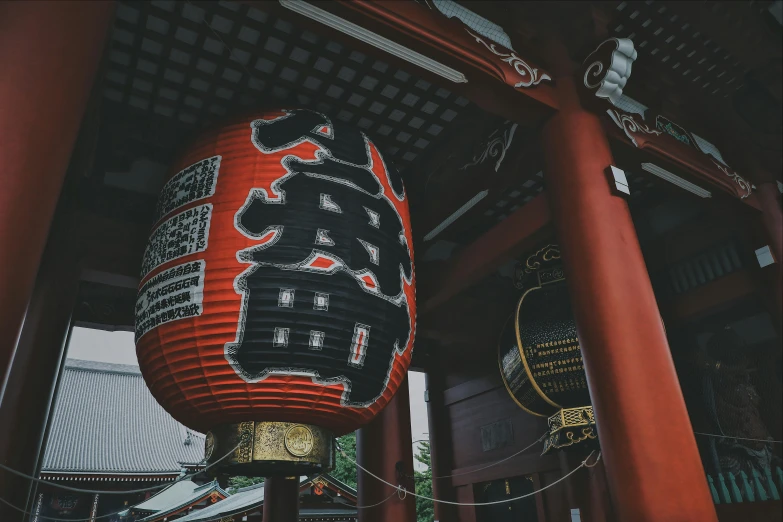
[
  {"x": 544, "y": 255},
  {"x": 570, "y": 426},
  {"x": 533, "y": 382},
  {"x": 245, "y": 452},
  {"x": 209, "y": 446},
  {"x": 568, "y": 417},
  {"x": 540, "y": 268},
  {"x": 272, "y": 449},
  {"x": 299, "y": 440}
]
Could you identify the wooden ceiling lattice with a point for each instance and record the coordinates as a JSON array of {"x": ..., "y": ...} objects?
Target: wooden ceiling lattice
[
  {"x": 189, "y": 63},
  {"x": 667, "y": 37}
]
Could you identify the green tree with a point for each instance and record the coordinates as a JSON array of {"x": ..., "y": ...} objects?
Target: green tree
[
  {"x": 425, "y": 509},
  {"x": 235, "y": 483},
  {"x": 344, "y": 469}
]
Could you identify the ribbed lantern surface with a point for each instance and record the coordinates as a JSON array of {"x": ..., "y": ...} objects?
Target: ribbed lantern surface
[{"x": 278, "y": 283}]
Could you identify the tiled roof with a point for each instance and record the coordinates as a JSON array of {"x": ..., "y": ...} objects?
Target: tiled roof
[
  {"x": 176, "y": 497},
  {"x": 106, "y": 421},
  {"x": 244, "y": 499},
  {"x": 252, "y": 498}
]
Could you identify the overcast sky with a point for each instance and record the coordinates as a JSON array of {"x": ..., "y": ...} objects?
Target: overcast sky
[{"x": 118, "y": 348}]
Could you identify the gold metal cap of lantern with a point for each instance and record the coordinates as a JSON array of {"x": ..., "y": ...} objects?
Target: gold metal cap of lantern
[
  {"x": 571, "y": 426},
  {"x": 270, "y": 449}
]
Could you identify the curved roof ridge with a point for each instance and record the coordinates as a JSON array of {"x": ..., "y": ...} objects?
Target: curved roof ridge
[{"x": 104, "y": 367}]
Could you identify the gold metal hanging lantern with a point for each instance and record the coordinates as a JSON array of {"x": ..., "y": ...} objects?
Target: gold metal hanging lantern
[{"x": 540, "y": 357}]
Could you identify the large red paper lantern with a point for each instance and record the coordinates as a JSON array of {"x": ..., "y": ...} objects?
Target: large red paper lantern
[{"x": 277, "y": 299}]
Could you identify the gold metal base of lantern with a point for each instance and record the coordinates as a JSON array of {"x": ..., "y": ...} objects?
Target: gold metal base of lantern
[
  {"x": 571, "y": 426},
  {"x": 266, "y": 449}
]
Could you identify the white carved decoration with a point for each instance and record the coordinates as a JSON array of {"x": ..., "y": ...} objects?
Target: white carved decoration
[
  {"x": 531, "y": 75},
  {"x": 610, "y": 84},
  {"x": 629, "y": 125},
  {"x": 739, "y": 180},
  {"x": 477, "y": 23},
  {"x": 496, "y": 148}
]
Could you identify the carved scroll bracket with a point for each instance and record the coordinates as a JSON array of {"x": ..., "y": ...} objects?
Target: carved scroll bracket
[
  {"x": 495, "y": 147},
  {"x": 632, "y": 128},
  {"x": 528, "y": 76},
  {"x": 745, "y": 186},
  {"x": 606, "y": 70}
]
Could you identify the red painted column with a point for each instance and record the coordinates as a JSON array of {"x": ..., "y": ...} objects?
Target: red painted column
[
  {"x": 769, "y": 196},
  {"x": 440, "y": 448},
  {"x": 49, "y": 52},
  {"x": 586, "y": 490},
  {"x": 27, "y": 394},
  {"x": 652, "y": 463},
  {"x": 281, "y": 499},
  {"x": 380, "y": 446}
]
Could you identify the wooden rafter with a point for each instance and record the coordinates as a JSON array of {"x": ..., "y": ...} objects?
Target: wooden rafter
[{"x": 521, "y": 231}]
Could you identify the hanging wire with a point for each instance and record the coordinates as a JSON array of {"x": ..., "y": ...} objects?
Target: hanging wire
[
  {"x": 399, "y": 487},
  {"x": 399, "y": 490},
  {"x": 738, "y": 438},
  {"x": 103, "y": 492},
  {"x": 542, "y": 437},
  {"x": 379, "y": 503},
  {"x": 370, "y": 506},
  {"x": 413, "y": 477}
]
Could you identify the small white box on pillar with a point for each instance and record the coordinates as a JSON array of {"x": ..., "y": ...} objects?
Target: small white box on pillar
[
  {"x": 617, "y": 177},
  {"x": 764, "y": 256}
]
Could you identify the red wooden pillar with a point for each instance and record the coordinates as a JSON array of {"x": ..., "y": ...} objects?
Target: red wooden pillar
[
  {"x": 769, "y": 196},
  {"x": 440, "y": 448},
  {"x": 384, "y": 446},
  {"x": 652, "y": 463},
  {"x": 281, "y": 499},
  {"x": 586, "y": 491},
  {"x": 27, "y": 394},
  {"x": 49, "y": 52}
]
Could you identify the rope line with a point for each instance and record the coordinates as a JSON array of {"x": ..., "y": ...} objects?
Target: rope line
[
  {"x": 399, "y": 490},
  {"x": 497, "y": 462},
  {"x": 381, "y": 502},
  {"x": 485, "y": 467},
  {"x": 366, "y": 507},
  {"x": 506, "y": 501},
  {"x": 770, "y": 441},
  {"x": 102, "y": 492}
]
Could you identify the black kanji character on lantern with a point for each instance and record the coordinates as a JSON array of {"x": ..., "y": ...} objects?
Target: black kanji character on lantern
[{"x": 324, "y": 294}]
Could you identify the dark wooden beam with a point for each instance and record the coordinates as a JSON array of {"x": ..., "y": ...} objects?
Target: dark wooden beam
[
  {"x": 497, "y": 176},
  {"x": 521, "y": 231},
  {"x": 110, "y": 250},
  {"x": 716, "y": 295}
]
